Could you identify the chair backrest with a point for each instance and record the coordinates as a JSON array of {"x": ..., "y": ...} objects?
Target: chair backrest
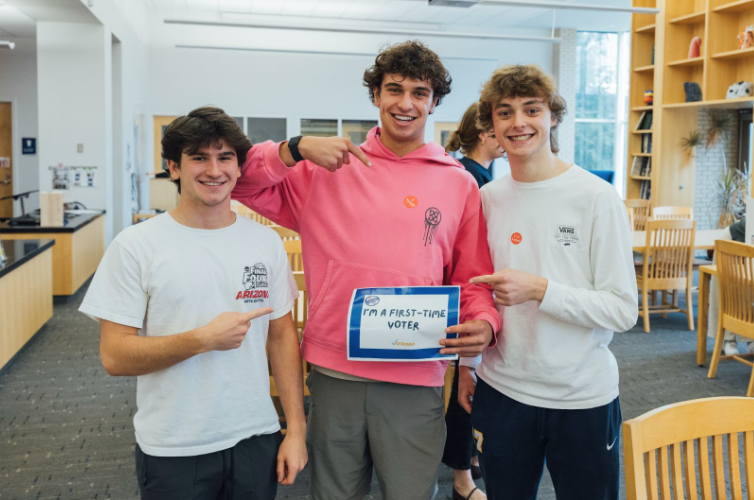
[
  {"x": 662, "y": 213},
  {"x": 295, "y": 258},
  {"x": 641, "y": 210},
  {"x": 301, "y": 306},
  {"x": 668, "y": 253},
  {"x": 631, "y": 218},
  {"x": 285, "y": 233},
  {"x": 735, "y": 268},
  {"x": 245, "y": 211},
  {"x": 677, "y": 437}
]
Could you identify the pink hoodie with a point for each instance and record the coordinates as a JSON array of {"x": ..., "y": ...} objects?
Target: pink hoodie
[{"x": 404, "y": 221}]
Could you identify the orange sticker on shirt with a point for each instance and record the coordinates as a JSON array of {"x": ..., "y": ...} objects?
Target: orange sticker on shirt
[
  {"x": 410, "y": 202},
  {"x": 516, "y": 238}
]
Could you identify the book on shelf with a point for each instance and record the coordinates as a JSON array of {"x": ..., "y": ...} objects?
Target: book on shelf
[
  {"x": 646, "y": 190},
  {"x": 641, "y": 166},
  {"x": 645, "y": 121},
  {"x": 646, "y": 143}
]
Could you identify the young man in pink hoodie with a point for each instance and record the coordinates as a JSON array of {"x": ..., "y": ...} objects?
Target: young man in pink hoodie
[{"x": 407, "y": 214}]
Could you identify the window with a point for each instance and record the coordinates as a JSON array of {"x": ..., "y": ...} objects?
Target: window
[
  {"x": 319, "y": 128},
  {"x": 601, "y": 99},
  {"x": 356, "y": 130},
  {"x": 266, "y": 129}
]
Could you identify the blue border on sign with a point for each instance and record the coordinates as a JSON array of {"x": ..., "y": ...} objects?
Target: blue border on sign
[{"x": 354, "y": 351}]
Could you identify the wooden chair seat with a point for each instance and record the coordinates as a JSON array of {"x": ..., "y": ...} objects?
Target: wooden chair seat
[{"x": 735, "y": 274}]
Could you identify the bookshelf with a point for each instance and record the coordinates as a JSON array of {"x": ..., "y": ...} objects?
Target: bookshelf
[{"x": 669, "y": 180}]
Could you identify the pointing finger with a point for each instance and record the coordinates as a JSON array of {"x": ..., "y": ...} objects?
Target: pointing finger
[
  {"x": 250, "y": 315},
  {"x": 358, "y": 153}
]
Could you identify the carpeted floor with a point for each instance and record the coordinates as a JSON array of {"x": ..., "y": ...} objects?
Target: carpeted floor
[{"x": 66, "y": 427}]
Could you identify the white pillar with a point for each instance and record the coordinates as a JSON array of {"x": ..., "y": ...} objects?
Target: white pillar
[{"x": 564, "y": 71}]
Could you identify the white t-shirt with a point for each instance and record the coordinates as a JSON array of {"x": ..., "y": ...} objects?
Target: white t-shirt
[
  {"x": 573, "y": 230},
  {"x": 165, "y": 278}
]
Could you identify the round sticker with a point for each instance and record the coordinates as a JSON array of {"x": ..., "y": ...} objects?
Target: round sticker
[
  {"x": 410, "y": 201},
  {"x": 516, "y": 238}
]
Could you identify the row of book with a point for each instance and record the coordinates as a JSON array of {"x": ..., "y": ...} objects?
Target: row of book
[
  {"x": 646, "y": 190},
  {"x": 641, "y": 166},
  {"x": 645, "y": 121},
  {"x": 646, "y": 143}
]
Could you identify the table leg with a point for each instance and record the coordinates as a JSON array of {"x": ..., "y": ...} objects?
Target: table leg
[{"x": 701, "y": 338}]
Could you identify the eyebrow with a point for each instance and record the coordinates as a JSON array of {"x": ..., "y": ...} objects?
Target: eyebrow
[
  {"x": 398, "y": 86},
  {"x": 527, "y": 103}
]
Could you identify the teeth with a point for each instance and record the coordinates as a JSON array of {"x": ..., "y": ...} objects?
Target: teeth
[
  {"x": 212, "y": 183},
  {"x": 521, "y": 137},
  {"x": 403, "y": 118}
]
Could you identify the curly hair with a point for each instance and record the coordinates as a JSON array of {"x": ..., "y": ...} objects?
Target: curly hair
[
  {"x": 410, "y": 59},
  {"x": 201, "y": 128},
  {"x": 519, "y": 80}
]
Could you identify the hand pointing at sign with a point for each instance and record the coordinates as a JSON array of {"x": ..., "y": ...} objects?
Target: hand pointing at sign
[{"x": 513, "y": 287}]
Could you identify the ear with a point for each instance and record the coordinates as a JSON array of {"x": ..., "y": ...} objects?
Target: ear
[
  {"x": 174, "y": 169},
  {"x": 376, "y": 92},
  {"x": 433, "y": 106}
]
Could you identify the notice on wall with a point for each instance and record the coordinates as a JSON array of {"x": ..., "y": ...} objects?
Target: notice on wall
[{"x": 64, "y": 177}]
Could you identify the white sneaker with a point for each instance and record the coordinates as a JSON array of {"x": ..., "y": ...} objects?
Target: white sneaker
[
  {"x": 730, "y": 348},
  {"x": 750, "y": 347}
]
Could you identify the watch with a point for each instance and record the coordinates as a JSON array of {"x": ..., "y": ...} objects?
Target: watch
[{"x": 293, "y": 148}]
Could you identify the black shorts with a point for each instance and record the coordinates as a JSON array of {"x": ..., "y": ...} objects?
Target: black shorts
[{"x": 248, "y": 470}]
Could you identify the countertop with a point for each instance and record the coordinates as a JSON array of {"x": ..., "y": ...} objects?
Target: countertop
[
  {"x": 20, "y": 251},
  {"x": 74, "y": 223}
]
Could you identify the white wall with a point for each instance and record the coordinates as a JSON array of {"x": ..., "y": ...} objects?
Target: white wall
[
  {"x": 18, "y": 85},
  {"x": 307, "y": 85}
]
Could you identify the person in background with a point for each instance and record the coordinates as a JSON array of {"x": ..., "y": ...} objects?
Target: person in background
[
  {"x": 479, "y": 147},
  {"x": 547, "y": 393},
  {"x": 186, "y": 302},
  {"x": 480, "y": 150},
  {"x": 734, "y": 232}
]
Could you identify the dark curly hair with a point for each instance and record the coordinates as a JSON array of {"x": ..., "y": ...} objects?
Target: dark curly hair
[
  {"x": 202, "y": 128},
  {"x": 409, "y": 59}
]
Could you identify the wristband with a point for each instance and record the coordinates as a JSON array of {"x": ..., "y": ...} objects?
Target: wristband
[{"x": 293, "y": 148}]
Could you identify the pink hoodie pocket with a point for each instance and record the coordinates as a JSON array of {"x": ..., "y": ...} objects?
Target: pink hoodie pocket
[{"x": 328, "y": 313}]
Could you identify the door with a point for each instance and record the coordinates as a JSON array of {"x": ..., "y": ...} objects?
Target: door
[{"x": 6, "y": 160}]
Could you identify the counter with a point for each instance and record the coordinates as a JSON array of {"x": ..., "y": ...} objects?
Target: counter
[
  {"x": 25, "y": 293},
  {"x": 79, "y": 247}
]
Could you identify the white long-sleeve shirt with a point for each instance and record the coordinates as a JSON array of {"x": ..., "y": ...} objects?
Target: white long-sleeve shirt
[{"x": 572, "y": 230}]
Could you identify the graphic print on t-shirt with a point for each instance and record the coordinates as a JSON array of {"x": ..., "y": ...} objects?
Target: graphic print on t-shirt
[
  {"x": 567, "y": 235},
  {"x": 432, "y": 218},
  {"x": 255, "y": 284}
]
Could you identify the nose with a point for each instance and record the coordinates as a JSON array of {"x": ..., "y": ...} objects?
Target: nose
[
  {"x": 213, "y": 167},
  {"x": 519, "y": 120},
  {"x": 405, "y": 103}
]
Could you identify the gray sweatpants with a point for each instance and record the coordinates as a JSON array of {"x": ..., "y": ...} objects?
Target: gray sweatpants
[{"x": 354, "y": 426}]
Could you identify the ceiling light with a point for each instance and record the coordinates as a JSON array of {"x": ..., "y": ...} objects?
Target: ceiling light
[
  {"x": 7, "y": 45},
  {"x": 542, "y": 4},
  {"x": 453, "y": 3}
]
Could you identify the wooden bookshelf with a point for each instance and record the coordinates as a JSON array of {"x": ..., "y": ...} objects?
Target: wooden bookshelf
[{"x": 720, "y": 64}]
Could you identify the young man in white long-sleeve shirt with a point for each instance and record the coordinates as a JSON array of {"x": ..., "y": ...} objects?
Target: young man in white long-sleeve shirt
[{"x": 560, "y": 242}]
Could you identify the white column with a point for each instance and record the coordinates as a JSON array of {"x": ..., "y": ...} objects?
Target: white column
[{"x": 564, "y": 71}]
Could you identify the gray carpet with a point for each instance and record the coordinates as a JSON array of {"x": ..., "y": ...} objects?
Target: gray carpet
[{"x": 66, "y": 427}]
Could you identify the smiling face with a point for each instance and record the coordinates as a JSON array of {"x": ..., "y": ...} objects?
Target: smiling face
[
  {"x": 405, "y": 104},
  {"x": 207, "y": 176},
  {"x": 522, "y": 127},
  {"x": 489, "y": 146}
]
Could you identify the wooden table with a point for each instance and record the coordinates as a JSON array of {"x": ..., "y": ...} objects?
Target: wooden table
[
  {"x": 705, "y": 275},
  {"x": 704, "y": 240}
]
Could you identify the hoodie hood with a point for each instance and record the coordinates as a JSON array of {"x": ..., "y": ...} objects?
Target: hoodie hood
[{"x": 430, "y": 152}]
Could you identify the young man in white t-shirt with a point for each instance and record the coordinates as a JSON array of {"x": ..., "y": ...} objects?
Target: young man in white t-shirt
[
  {"x": 560, "y": 242},
  {"x": 187, "y": 301}
]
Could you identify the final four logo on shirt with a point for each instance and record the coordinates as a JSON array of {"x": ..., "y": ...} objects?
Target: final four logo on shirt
[{"x": 254, "y": 280}]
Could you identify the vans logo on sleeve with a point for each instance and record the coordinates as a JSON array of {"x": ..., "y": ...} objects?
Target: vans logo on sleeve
[
  {"x": 567, "y": 235},
  {"x": 255, "y": 284}
]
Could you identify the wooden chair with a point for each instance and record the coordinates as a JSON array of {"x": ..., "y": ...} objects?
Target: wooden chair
[
  {"x": 735, "y": 275},
  {"x": 641, "y": 210},
  {"x": 664, "y": 213},
  {"x": 285, "y": 233},
  {"x": 631, "y": 218},
  {"x": 300, "y": 314},
  {"x": 679, "y": 434},
  {"x": 666, "y": 265},
  {"x": 293, "y": 249},
  {"x": 448, "y": 383},
  {"x": 245, "y": 211}
]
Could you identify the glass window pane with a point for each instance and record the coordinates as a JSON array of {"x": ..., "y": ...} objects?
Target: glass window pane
[
  {"x": 266, "y": 129},
  {"x": 319, "y": 128},
  {"x": 596, "y": 74},
  {"x": 594, "y": 145},
  {"x": 356, "y": 130},
  {"x": 239, "y": 121}
]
